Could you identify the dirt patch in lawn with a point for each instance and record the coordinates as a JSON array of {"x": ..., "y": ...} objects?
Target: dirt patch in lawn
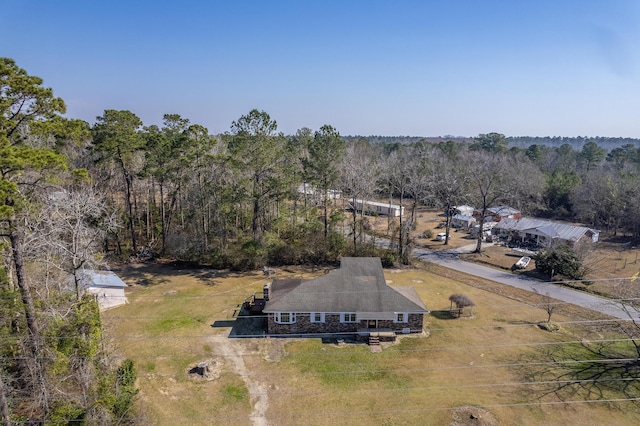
[{"x": 473, "y": 416}]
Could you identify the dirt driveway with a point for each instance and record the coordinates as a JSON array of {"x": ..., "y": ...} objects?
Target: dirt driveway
[{"x": 234, "y": 350}]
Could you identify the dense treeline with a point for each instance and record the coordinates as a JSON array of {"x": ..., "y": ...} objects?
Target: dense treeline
[
  {"x": 75, "y": 193},
  {"x": 575, "y": 142}
]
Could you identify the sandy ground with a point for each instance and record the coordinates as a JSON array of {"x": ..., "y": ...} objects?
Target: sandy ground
[{"x": 232, "y": 350}]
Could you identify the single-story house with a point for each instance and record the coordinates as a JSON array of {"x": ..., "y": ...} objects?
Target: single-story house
[
  {"x": 354, "y": 299},
  {"x": 462, "y": 221},
  {"x": 106, "y": 286},
  {"x": 544, "y": 233},
  {"x": 498, "y": 213}
]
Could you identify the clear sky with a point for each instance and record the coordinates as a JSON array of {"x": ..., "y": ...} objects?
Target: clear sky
[{"x": 420, "y": 68}]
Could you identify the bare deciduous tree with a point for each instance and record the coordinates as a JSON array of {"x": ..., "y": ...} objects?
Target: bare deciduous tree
[
  {"x": 495, "y": 179},
  {"x": 547, "y": 303},
  {"x": 449, "y": 184},
  {"x": 68, "y": 231},
  {"x": 359, "y": 172}
]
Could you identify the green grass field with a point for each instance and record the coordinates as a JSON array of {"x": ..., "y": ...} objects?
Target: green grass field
[{"x": 498, "y": 360}]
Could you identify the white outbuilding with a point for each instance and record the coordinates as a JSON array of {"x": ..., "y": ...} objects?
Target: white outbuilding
[{"x": 106, "y": 286}]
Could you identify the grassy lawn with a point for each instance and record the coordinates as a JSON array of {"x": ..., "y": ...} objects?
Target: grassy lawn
[{"x": 178, "y": 317}]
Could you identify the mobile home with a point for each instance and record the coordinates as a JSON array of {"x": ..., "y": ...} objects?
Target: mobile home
[{"x": 375, "y": 208}]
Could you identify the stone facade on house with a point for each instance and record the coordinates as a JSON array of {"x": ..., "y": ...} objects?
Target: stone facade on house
[{"x": 332, "y": 325}]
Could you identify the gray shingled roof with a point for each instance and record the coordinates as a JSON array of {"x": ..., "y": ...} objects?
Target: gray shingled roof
[
  {"x": 562, "y": 231},
  {"x": 92, "y": 278},
  {"x": 358, "y": 286}
]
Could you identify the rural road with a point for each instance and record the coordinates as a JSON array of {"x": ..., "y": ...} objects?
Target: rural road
[{"x": 449, "y": 259}]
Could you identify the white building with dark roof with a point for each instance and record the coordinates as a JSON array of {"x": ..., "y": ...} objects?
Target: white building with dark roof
[{"x": 106, "y": 286}]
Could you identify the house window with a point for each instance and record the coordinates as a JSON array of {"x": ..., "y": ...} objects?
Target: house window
[
  {"x": 348, "y": 317},
  {"x": 401, "y": 317},
  {"x": 285, "y": 317},
  {"x": 317, "y": 316}
]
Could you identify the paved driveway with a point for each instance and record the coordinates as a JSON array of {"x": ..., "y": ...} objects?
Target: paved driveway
[{"x": 585, "y": 300}]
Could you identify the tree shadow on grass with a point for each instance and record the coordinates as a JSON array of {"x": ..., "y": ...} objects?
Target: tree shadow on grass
[
  {"x": 444, "y": 314},
  {"x": 149, "y": 274},
  {"x": 583, "y": 371}
]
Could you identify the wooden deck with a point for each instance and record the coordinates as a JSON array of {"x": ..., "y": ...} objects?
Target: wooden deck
[{"x": 253, "y": 305}]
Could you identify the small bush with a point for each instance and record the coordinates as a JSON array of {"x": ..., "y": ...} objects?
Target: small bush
[
  {"x": 548, "y": 326},
  {"x": 66, "y": 412},
  {"x": 427, "y": 234},
  {"x": 389, "y": 259}
]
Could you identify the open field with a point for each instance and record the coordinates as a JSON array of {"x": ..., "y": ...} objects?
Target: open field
[{"x": 498, "y": 359}]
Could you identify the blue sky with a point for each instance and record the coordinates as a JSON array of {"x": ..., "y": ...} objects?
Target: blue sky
[{"x": 422, "y": 68}]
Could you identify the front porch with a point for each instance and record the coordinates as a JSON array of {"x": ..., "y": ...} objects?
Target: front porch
[{"x": 383, "y": 334}]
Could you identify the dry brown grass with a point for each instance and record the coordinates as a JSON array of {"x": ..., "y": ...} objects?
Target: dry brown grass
[
  {"x": 498, "y": 257},
  {"x": 167, "y": 327}
]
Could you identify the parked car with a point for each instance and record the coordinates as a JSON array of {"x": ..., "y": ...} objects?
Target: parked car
[
  {"x": 441, "y": 236},
  {"x": 522, "y": 263}
]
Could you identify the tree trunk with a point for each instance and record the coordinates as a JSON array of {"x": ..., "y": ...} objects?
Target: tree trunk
[
  {"x": 481, "y": 228},
  {"x": 479, "y": 240},
  {"x": 163, "y": 223},
  {"x": 32, "y": 323},
  {"x": 294, "y": 218},
  {"x": 326, "y": 220},
  {"x": 149, "y": 233},
  {"x": 127, "y": 198},
  {"x": 255, "y": 221},
  {"x": 4, "y": 405},
  {"x": 401, "y": 240},
  {"x": 355, "y": 228},
  {"x": 447, "y": 228},
  {"x": 306, "y": 209}
]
